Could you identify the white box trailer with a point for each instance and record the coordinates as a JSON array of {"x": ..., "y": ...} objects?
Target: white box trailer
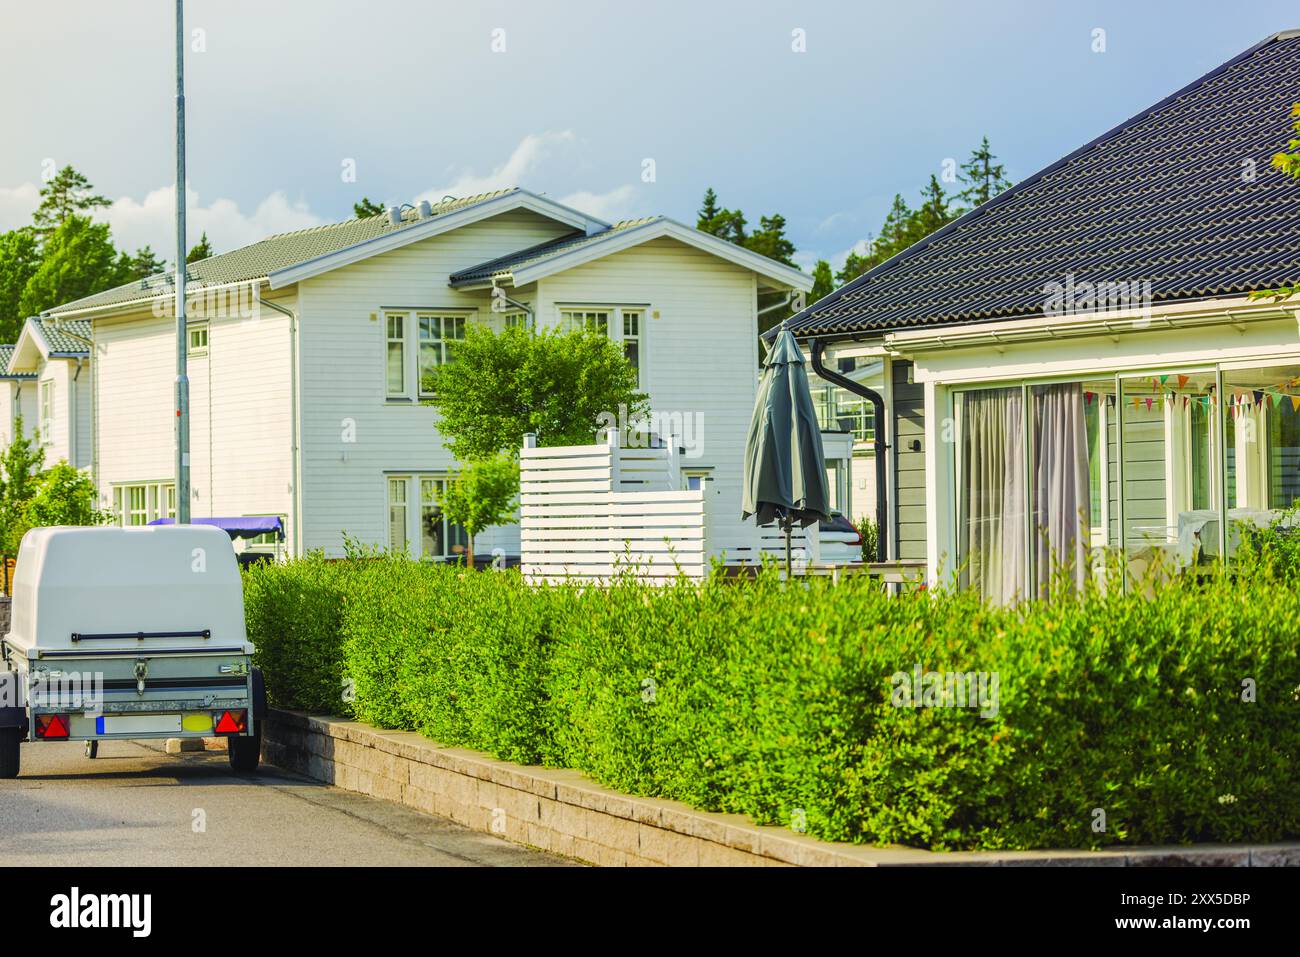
[{"x": 128, "y": 633}]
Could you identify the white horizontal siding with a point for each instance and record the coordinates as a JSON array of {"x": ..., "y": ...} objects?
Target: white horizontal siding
[
  {"x": 344, "y": 488},
  {"x": 240, "y": 461}
]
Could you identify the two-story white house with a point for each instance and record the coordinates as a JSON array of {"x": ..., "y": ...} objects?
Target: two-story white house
[
  {"x": 307, "y": 354},
  {"x": 45, "y": 381}
]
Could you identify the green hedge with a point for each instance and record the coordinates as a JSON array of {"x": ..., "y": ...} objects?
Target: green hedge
[{"x": 776, "y": 701}]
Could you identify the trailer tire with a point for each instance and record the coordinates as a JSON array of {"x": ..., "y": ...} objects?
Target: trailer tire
[
  {"x": 245, "y": 751},
  {"x": 9, "y": 739}
]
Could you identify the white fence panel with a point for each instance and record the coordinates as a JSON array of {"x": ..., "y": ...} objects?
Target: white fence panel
[{"x": 592, "y": 512}]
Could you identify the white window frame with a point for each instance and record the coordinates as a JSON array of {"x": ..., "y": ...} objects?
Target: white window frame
[
  {"x": 192, "y": 330},
  {"x": 410, "y": 341},
  {"x": 393, "y": 483},
  {"x": 439, "y": 320},
  {"x": 413, "y": 485},
  {"x": 46, "y": 399},
  {"x": 581, "y": 315},
  {"x": 400, "y": 340},
  {"x": 157, "y": 500},
  {"x": 702, "y": 475}
]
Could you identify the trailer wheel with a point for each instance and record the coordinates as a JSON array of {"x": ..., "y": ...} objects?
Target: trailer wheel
[
  {"x": 245, "y": 751},
  {"x": 9, "y": 738},
  {"x": 92, "y": 749}
]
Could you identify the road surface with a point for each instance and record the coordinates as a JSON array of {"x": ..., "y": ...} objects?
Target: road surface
[{"x": 134, "y": 805}]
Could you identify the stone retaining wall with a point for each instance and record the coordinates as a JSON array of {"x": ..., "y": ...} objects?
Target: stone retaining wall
[{"x": 566, "y": 813}]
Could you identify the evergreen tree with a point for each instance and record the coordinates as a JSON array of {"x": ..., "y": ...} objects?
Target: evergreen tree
[
  {"x": 367, "y": 208},
  {"x": 983, "y": 177},
  {"x": 729, "y": 224},
  {"x": 79, "y": 260},
  {"x": 200, "y": 250},
  {"x": 934, "y": 213},
  {"x": 770, "y": 240},
  {"x": 67, "y": 194},
  {"x": 823, "y": 281},
  {"x": 142, "y": 265}
]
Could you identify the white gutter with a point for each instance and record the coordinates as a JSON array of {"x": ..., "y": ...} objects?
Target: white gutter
[{"x": 1082, "y": 325}]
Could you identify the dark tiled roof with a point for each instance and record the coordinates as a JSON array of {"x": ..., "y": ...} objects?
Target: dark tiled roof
[
  {"x": 506, "y": 265},
  {"x": 7, "y": 353},
  {"x": 66, "y": 336},
  {"x": 268, "y": 255},
  {"x": 1161, "y": 198}
]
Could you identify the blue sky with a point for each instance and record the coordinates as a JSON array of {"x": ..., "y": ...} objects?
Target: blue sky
[{"x": 284, "y": 94}]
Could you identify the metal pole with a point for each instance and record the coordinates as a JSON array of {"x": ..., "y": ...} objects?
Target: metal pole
[{"x": 182, "y": 377}]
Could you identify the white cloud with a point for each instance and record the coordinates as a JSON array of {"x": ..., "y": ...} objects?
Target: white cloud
[
  {"x": 17, "y": 205},
  {"x": 152, "y": 221},
  {"x": 531, "y": 153},
  {"x": 538, "y": 161},
  {"x": 612, "y": 206}
]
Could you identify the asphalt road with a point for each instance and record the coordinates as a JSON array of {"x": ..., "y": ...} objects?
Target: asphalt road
[{"x": 134, "y": 805}]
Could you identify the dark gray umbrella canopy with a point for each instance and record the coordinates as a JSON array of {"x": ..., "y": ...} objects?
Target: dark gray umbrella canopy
[{"x": 785, "y": 468}]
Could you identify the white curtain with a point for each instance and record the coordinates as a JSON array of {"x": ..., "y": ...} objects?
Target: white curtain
[
  {"x": 992, "y": 494},
  {"x": 1062, "y": 503}
]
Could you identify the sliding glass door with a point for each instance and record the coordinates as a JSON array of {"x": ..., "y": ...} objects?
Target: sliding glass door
[{"x": 992, "y": 533}]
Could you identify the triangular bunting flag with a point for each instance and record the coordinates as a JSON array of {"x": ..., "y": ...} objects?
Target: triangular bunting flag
[{"x": 1182, "y": 381}]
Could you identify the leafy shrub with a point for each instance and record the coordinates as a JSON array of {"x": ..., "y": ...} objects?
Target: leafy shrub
[{"x": 776, "y": 700}]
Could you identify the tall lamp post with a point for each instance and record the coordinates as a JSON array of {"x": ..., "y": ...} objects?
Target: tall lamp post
[{"x": 182, "y": 376}]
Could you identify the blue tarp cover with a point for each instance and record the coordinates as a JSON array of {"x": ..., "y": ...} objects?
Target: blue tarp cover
[{"x": 243, "y": 527}]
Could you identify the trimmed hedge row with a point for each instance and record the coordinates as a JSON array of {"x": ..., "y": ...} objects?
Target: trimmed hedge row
[{"x": 779, "y": 701}]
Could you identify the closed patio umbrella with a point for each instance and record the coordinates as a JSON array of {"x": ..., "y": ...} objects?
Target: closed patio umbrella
[{"x": 785, "y": 468}]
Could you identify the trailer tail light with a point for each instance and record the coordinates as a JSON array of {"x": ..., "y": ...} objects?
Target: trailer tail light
[
  {"x": 232, "y": 722},
  {"x": 51, "y": 727}
]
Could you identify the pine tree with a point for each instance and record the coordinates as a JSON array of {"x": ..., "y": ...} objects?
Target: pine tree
[
  {"x": 823, "y": 281},
  {"x": 934, "y": 213},
  {"x": 367, "y": 208},
  {"x": 200, "y": 250},
  {"x": 984, "y": 178},
  {"x": 142, "y": 265},
  {"x": 770, "y": 240},
  {"x": 67, "y": 194}
]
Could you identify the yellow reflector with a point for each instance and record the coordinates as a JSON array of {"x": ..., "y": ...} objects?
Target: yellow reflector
[{"x": 196, "y": 722}]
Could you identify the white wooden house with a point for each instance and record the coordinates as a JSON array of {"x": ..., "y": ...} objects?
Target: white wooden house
[
  {"x": 45, "y": 381},
  {"x": 1076, "y": 370},
  {"x": 307, "y": 352}
]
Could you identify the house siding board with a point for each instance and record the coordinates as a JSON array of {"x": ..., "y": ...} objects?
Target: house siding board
[
  {"x": 699, "y": 356},
  {"x": 909, "y": 426},
  {"x": 239, "y": 411},
  {"x": 342, "y": 372}
]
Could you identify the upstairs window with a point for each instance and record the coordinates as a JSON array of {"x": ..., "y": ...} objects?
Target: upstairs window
[
  {"x": 395, "y": 356},
  {"x": 436, "y": 332},
  {"x": 47, "y": 412}
]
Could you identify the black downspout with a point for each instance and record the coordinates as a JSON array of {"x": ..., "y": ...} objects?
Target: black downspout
[{"x": 878, "y": 407}]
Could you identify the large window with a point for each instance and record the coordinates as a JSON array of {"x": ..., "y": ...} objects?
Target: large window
[
  {"x": 420, "y": 521},
  {"x": 1160, "y": 468},
  {"x": 416, "y": 345},
  {"x": 143, "y": 502}
]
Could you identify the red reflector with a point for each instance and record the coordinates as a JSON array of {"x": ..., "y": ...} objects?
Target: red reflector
[
  {"x": 52, "y": 726},
  {"x": 230, "y": 722}
]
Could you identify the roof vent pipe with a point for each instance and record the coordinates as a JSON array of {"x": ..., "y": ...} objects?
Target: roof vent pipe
[
  {"x": 394, "y": 215},
  {"x": 424, "y": 209}
]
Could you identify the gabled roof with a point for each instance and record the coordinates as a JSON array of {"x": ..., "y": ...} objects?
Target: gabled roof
[
  {"x": 537, "y": 262},
  {"x": 49, "y": 339},
  {"x": 1165, "y": 198},
  {"x": 289, "y": 257},
  {"x": 6, "y": 353}
]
